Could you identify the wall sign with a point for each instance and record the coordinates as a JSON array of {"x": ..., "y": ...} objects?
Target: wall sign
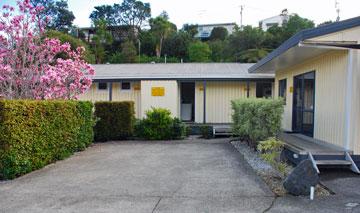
[
  {"x": 291, "y": 89},
  {"x": 157, "y": 91}
]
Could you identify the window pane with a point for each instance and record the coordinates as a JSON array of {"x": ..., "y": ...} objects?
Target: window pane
[
  {"x": 102, "y": 86},
  {"x": 282, "y": 89},
  {"x": 125, "y": 86}
]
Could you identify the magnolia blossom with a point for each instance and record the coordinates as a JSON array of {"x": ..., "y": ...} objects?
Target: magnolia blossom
[{"x": 35, "y": 67}]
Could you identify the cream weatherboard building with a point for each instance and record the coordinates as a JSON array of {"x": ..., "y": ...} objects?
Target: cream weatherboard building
[
  {"x": 317, "y": 71},
  {"x": 196, "y": 92}
]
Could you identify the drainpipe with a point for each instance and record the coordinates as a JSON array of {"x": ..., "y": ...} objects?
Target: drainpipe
[
  {"x": 110, "y": 91},
  {"x": 248, "y": 89},
  {"x": 348, "y": 99}
]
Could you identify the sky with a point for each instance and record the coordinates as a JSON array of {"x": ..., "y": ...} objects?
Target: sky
[{"x": 223, "y": 11}]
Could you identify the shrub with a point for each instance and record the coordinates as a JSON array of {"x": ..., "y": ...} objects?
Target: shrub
[
  {"x": 256, "y": 119},
  {"x": 207, "y": 132},
  {"x": 115, "y": 120},
  {"x": 270, "y": 151},
  {"x": 159, "y": 125},
  {"x": 36, "y": 133}
]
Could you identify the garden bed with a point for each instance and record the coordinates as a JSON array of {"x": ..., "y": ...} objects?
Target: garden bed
[{"x": 270, "y": 175}]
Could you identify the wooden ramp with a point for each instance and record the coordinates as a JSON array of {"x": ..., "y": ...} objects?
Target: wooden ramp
[{"x": 322, "y": 154}]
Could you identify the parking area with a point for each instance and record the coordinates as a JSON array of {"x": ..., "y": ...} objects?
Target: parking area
[{"x": 137, "y": 176}]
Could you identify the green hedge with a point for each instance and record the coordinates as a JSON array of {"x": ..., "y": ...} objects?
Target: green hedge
[
  {"x": 257, "y": 119},
  {"x": 159, "y": 125},
  {"x": 36, "y": 133},
  {"x": 115, "y": 120}
]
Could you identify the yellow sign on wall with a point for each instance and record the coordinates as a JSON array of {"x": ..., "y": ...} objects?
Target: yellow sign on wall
[
  {"x": 291, "y": 89},
  {"x": 157, "y": 91}
]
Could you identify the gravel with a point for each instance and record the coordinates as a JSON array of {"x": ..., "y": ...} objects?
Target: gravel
[{"x": 253, "y": 158}]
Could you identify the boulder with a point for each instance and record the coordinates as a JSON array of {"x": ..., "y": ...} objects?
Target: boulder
[{"x": 301, "y": 179}]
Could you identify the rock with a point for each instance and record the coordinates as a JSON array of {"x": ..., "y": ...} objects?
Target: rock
[{"x": 301, "y": 179}]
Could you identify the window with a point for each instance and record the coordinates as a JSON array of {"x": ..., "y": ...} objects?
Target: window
[
  {"x": 263, "y": 90},
  {"x": 102, "y": 86},
  {"x": 125, "y": 86},
  {"x": 282, "y": 89}
]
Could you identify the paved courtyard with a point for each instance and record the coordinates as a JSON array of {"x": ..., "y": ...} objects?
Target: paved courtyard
[{"x": 181, "y": 176}]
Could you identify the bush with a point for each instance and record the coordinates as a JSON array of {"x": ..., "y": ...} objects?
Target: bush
[
  {"x": 115, "y": 120},
  {"x": 36, "y": 133},
  {"x": 159, "y": 125},
  {"x": 270, "y": 151},
  {"x": 256, "y": 119},
  {"x": 207, "y": 132}
]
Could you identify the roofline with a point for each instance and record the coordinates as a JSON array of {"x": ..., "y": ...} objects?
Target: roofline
[
  {"x": 206, "y": 25},
  {"x": 269, "y": 79},
  {"x": 306, "y": 34}
]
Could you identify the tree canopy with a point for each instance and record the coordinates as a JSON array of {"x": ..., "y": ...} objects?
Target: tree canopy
[
  {"x": 61, "y": 18},
  {"x": 219, "y": 33}
]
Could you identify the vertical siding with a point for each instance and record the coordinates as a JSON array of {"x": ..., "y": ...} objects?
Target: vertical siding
[
  {"x": 93, "y": 94},
  {"x": 355, "y": 123},
  {"x": 134, "y": 94},
  {"x": 219, "y": 96},
  {"x": 330, "y": 72},
  {"x": 169, "y": 101}
]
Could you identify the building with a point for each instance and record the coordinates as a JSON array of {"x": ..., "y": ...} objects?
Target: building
[
  {"x": 278, "y": 20},
  {"x": 317, "y": 71},
  {"x": 196, "y": 92},
  {"x": 119, "y": 33},
  {"x": 204, "y": 30}
]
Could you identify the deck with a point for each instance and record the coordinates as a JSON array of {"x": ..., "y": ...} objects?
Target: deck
[
  {"x": 320, "y": 153},
  {"x": 303, "y": 145}
]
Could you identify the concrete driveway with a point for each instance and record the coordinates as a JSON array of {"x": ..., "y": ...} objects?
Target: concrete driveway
[{"x": 181, "y": 176}]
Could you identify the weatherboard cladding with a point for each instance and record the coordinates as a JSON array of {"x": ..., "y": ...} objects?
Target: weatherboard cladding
[
  {"x": 180, "y": 71},
  {"x": 306, "y": 34}
]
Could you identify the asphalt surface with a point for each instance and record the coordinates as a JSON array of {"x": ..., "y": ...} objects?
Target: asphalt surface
[
  {"x": 180, "y": 176},
  {"x": 171, "y": 176}
]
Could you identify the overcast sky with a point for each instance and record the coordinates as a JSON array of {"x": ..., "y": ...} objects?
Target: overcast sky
[{"x": 219, "y": 11}]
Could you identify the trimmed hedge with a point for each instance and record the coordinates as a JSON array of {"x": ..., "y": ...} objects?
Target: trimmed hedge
[
  {"x": 115, "y": 120},
  {"x": 257, "y": 119},
  {"x": 36, "y": 133},
  {"x": 159, "y": 125}
]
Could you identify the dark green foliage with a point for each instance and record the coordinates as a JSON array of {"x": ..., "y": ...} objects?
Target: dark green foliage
[
  {"x": 199, "y": 52},
  {"x": 159, "y": 125},
  {"x": 115, "y": 120},
  {"x": 207, "y": 132},
  {"x": 176, "y": 45},
  {"x": 36, "y": 133},
  {"x": 61, "y": 17},
  {"x": 217, "y": 50},
  {"x": 257, "y": 119},
  {"x": 218, "y": 33},
  {"x": 74, "y": 42},
  {"x": 191, "y": 29},
  {"x": 127, "y": 55},
  {"x": 147, "y": 59}
]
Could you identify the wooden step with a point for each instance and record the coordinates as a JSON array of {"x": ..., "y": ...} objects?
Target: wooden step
[{"x": 333, "y": 162}]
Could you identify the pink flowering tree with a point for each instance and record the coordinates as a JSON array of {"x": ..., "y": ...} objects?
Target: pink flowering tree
[{"x": 35, "y": 67}]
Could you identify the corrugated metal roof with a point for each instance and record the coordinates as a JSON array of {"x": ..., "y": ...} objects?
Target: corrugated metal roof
[
  {"x": 303, "y": 35},
  {"x": 198, "y": 71}
]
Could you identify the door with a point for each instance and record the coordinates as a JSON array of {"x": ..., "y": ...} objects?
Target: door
[
  {"x": 187, "y": 93},
  {"x": 304, "y": 104}
]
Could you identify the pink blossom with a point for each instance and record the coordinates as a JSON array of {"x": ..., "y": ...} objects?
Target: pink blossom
[{"x": 29, "y": 67}]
